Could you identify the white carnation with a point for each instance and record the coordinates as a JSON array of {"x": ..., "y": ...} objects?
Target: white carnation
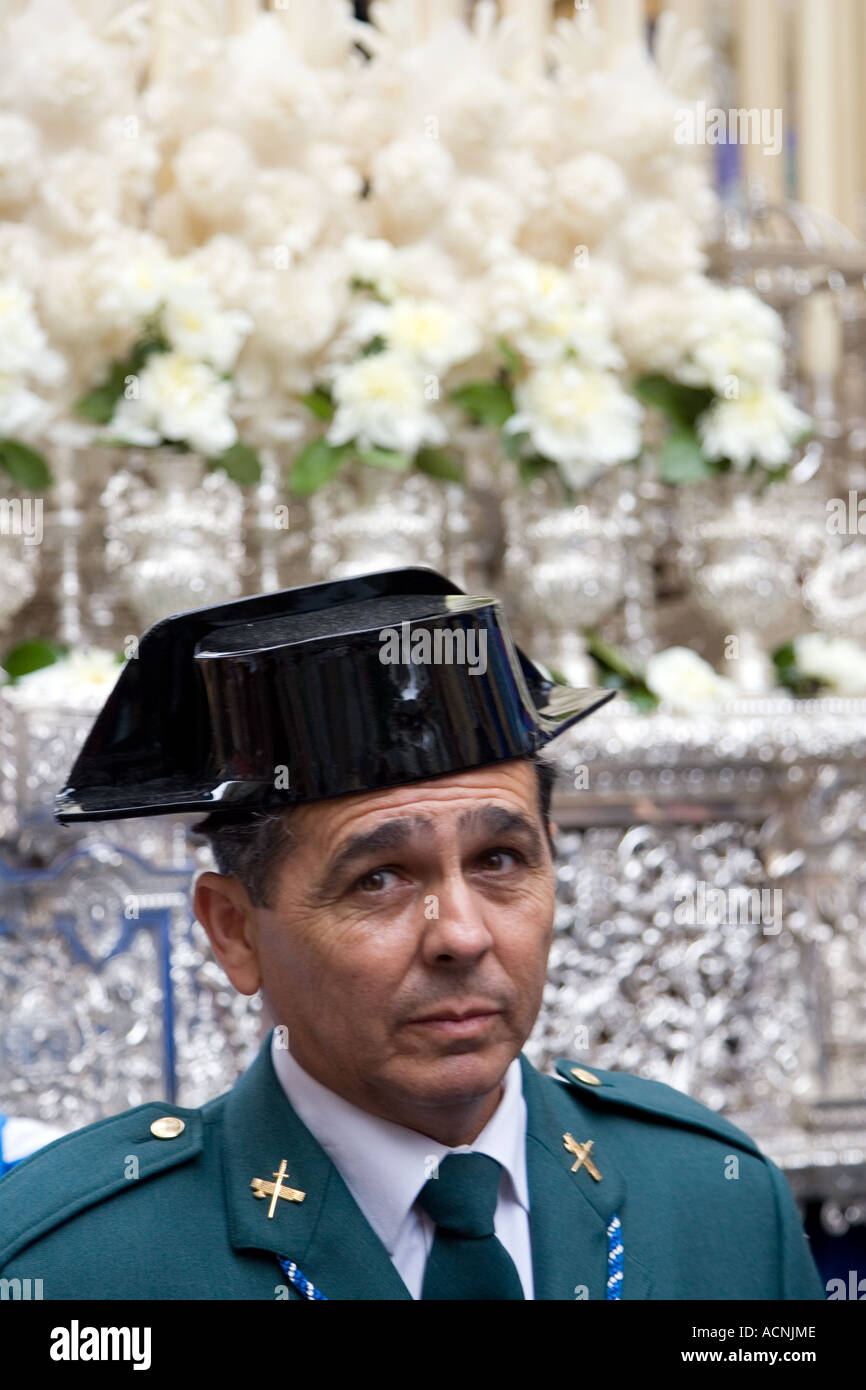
[
  {"x": 213, "y": 170},
  {"x": 381, "y": 401},
  {"x": 836, "y": 661},
  {"x": 483, "y": 217},
  {"x": 589, "y": 193},
  {"x": 412, "y": 182},
  {"x": 19, "y": 157},
  {"x": 80, "y": 194},
  {"x": 657, "y": 241},
  {"x": 284, "y": 208},
  {"x": 582, "y": 419},
  {"x": 655, "y": 325},
  {"x": 179, "y": 400},
  {"x": 685, "y": 681},
  {"x": 761, "y": 424}
]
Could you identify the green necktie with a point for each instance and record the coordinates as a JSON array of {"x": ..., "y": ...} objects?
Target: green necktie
[{"x": 467, "y": 1259}]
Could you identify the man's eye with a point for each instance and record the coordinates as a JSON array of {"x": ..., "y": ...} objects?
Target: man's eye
[
  {"x": 375, "y": 881},
  {"x": 500, "y": 860}
]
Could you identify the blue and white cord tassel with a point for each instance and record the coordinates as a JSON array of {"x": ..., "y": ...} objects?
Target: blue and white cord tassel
[
  {"x": 299, "y": 1281},
  {"x": 614, "y": 1258}
]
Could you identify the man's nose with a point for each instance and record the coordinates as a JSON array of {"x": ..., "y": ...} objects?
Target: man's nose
[{"x": 454, "y": 925}]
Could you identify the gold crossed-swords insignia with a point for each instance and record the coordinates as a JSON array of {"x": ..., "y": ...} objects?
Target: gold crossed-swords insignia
[
  {"x": 261, "y": 1188},
  {"x": 582, "y": 1156}
]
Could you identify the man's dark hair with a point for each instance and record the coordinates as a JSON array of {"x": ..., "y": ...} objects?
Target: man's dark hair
[{"x": 253, "y": 846}]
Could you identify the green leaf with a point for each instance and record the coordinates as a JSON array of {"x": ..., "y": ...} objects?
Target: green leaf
[
  {"x": 609, "y": 657},
  {"x": 681, "y": 404},
  {"x": 24, "y": 465},
  {"x": 790, "y": 676},
  {"x": 682, "y": 459},
  {"x": 319, "y": 403},
  {"x": 144, "y": 348},
  {"x": 384, "y": 458},
  {"x": 25, "y": 657},
  {"x": 510, "y": 356},
  {"x": 487, "y": 402},
  {"x": 532, "y": 466},
  {"x": 374, "y": 346},
  {"x": 241, "y": 463},
  {"x": 642, "y": 697},
  {"x": 316, "y": 464},
  {"x": 514, "y": 443},
  {"x": 440, "y": 463}
]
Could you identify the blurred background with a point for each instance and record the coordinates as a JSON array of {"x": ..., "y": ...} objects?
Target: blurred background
[{"x": 564, "y": 300}]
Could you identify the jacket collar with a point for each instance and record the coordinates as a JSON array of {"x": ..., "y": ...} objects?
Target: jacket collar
[
  {"x": 326, "y": 1234},
  {"x": 570, "y": 1211},
  {"x": 331, "y": 1241}
]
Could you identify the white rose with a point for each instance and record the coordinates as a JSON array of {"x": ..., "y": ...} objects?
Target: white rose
[
  {"x": 541, "y": 310},
  {"x": 21, "y": 410},
  {"x": 381, "y": 401},
  {"x": 734, "y": 337},
  {"x": 685, "y": 681},
  {"x": 92, "y": 671},
  {"x": 180, "y": 400},
  {"x": 581, "y": 419},
  {"x": 24, "y": 350},
  {"x": 197, "y": 328},
  {"x": 836, "y": 661},
  {"x": 371, "y": 260},
  {"x": 438, "y": 336},
  {"x": 761, "y": 424},
  {"x": 130, "y": 274}
]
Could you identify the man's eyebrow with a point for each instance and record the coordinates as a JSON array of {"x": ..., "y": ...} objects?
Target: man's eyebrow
[
  {"x": 390, "y": 835},
  {"x": 496, "y": 820}
]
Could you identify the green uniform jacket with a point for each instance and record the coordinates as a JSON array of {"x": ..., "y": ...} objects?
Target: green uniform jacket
[{"x": 113, "y": 1212}]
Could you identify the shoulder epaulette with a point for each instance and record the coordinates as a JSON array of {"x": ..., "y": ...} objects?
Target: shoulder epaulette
[
  {"x": 82, "y": 1168},
  {"x": 653, "y": 1098}
]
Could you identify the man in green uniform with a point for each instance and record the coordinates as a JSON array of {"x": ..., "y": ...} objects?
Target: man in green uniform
[{"x": 367, "y": 755}]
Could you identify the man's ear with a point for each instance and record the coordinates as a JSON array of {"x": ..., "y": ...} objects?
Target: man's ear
[
  {"x": 222, "y": 905},
  {"x": 553, "y": 828}
]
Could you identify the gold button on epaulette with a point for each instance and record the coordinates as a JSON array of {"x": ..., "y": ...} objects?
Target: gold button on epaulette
[
  {"x": 583, "y": 1075},
  {"x": 167, "y": 1127}
]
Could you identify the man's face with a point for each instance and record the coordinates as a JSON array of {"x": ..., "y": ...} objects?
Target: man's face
[{"x": 407, "y": 944}]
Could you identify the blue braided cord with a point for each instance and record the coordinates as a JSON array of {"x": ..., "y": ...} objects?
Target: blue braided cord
[
  {"x": 614, "y": 1258},
  {"x": 303, "y": 1285}
]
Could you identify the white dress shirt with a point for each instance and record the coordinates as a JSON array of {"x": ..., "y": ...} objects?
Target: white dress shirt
[{"x": 385, "y": 1167}]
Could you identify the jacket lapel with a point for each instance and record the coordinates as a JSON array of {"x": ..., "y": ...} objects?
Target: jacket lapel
[
  {"x": 570, "y": 1211},
  {"x": 326, "y": 1234}
]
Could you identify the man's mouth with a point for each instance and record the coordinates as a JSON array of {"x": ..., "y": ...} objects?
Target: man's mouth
[{"x": 456, "y": 1022}]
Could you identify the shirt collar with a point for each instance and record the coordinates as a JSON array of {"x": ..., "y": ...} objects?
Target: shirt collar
[{"x": 385, "y": 1165}]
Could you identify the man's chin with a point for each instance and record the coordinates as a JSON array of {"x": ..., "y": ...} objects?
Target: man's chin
[{"x": 456, "y": 1075}]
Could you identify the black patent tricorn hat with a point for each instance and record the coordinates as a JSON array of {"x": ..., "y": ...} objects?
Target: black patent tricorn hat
[{"x": 347, "y": 686}]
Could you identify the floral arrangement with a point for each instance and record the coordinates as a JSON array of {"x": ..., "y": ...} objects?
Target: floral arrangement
[
  {"x": 175, "y": 385},
  {"x": 344, "y": 239}
]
